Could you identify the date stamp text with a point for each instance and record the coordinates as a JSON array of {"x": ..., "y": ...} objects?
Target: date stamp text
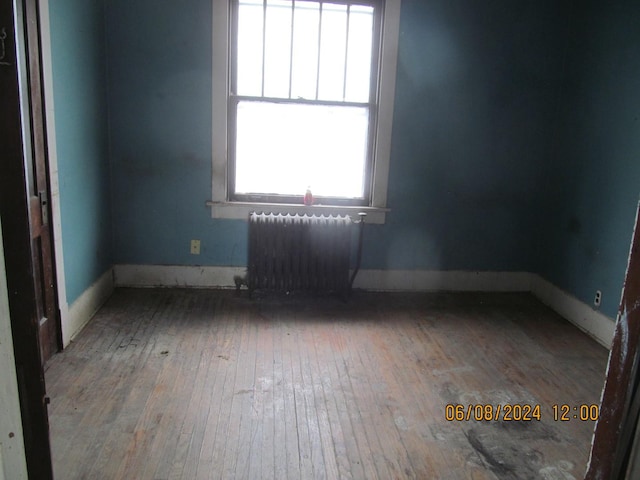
[{"x": 457, "y": 412}]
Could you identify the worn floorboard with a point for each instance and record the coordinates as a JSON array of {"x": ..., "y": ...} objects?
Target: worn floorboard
[{"x": 198, "y": 384}]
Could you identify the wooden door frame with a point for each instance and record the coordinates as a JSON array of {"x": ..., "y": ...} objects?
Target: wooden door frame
[
  {"x": 39, "y": 186},
  {"x": 16, "y": 235},
  {"x": 613, "y": 436},
  {"x": 54, "y": 191}
]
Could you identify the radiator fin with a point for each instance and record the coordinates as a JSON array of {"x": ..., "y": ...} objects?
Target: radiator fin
[{"x": 299, "y": 252}]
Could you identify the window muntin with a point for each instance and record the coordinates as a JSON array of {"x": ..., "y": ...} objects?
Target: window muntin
[{"x": 302, "y": 107}]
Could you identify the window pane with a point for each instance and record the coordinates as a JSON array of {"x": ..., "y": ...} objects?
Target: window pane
[
  {"x": 305, "y": 50},
  {"x": 250, "y": 47},
  {"x": 333, "y": 45},
  {"x": 359, "y": 54},
  {"x": 283, "y": 148},
  {"x": 277, "y": 49}
]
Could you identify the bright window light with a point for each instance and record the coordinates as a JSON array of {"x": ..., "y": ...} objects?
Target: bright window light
[
  {"x": 302, "y": 103},
  {"x": 285, "y": 148}
]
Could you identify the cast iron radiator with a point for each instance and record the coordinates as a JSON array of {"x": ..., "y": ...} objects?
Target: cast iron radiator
[{"x": 299, "y": 252}]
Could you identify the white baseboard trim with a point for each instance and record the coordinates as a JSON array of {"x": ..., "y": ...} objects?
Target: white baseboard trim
[
  {"x": 426, "y": 280},
  {"x": 378, "y": 280},
  {"x": 591, "y": 321},
  {"x": 81, "y": 311},
  {"x": 176, "y": 276}
]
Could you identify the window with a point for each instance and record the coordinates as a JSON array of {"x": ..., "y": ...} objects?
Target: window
[
  {"x": 303, "y": 99},
  {"x": 306, "y": 90}
]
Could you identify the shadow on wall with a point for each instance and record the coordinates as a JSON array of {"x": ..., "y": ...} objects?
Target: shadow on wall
[{"x": 475, "y": 101}]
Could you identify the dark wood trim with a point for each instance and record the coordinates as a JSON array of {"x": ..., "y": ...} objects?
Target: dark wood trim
[
  {"x": 39, "y": 190},
  {"x": 613, "y": 437},
  {"x": 17, "y": 247}
]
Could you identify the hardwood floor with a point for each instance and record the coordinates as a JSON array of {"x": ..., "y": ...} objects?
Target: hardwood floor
[{"x": 197, "y": 384}]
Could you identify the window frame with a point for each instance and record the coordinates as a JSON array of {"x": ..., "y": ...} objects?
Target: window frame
[
  {"x": 371, "y": 105},
  {"x": 224, "y": 204}
]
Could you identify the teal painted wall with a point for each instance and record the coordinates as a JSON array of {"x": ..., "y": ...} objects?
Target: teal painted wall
[
  {"x": 514, "y": 147},
  {"x": 476, "y": 92},
  {"x": 476, "y": 89},
  {"x": 79, "y": 87},
  {"x": 594, "y": 171},
  {"x": 160, "y": 110}
]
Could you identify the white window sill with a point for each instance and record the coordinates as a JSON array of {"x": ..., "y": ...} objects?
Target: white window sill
[{"x": 241, "y": 210}]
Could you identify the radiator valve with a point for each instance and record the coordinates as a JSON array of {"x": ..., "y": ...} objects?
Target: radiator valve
[{"x": 239, "y": 281}]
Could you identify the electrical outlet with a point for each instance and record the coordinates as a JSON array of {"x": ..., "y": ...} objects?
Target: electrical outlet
[
  {"x": 598, "y": 298},
  {"x": 195, "y": 247}
]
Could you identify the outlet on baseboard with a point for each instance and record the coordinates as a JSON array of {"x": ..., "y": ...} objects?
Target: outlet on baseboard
[
  {"x": 598, "y": 298},
  {"x": 195, "y": 247}
]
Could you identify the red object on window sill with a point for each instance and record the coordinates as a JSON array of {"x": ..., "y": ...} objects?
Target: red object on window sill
[{"x": 308, "y": 197}]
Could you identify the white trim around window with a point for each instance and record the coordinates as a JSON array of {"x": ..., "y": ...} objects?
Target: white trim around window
[{"x": 221, "y": 207}]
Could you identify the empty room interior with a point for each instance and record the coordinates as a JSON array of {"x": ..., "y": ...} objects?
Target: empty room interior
[{"x": 499, "y": 171}]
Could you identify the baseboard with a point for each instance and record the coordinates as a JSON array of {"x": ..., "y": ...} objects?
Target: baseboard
[
  {"x": 88, "y": 303},
  {"x": 176, "y": 276},
  {"x": 591, "y": 321},
  {"x": 426, "y": 280},
  {"x": 377, "y": 280}
]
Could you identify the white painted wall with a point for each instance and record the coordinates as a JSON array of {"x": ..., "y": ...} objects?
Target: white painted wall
[{"x": 12, "y": 455}]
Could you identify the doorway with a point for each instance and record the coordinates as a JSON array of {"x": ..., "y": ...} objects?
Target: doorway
[{"x": 26, "y": 229}]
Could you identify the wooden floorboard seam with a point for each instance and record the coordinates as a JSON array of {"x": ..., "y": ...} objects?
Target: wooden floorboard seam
[{"x": 199, "y": 384}]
